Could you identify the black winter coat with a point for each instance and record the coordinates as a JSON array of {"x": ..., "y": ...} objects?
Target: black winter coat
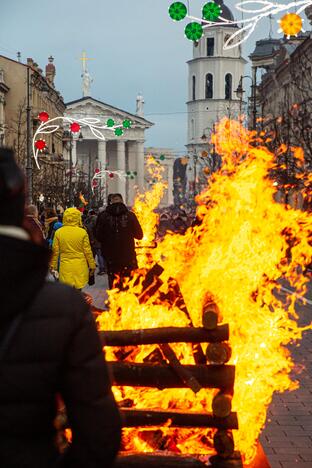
[
  {"x": 56, "y": 349},
  {"x": 116, "y": 229}
]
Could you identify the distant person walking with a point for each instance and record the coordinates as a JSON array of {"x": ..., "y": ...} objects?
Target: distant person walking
[
  {"x": 90, "y": 224},
  {"x": 116, "y": 229},
  {"x": 71, "y": 251},
  {"x": 49, "y": 347},
  {"x": 32, "y": 223}
]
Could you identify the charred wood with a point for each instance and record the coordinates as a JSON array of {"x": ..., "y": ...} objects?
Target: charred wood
[
  {"x": 224, "y": 443},
  {"x": 162, "y": 376},
  {"x": 157, "y": 461},
  {"x": 134, "y": 418},
  {"x": 185, "y": 375},
  {"x": 218, "y": 353},
  {"x": 235, "y": 461},
  {"x": 222, "y": 404},
  {"x": 164, "y": 335}
]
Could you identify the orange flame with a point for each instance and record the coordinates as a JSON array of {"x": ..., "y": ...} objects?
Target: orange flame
[{"x": 239, "y": 253}]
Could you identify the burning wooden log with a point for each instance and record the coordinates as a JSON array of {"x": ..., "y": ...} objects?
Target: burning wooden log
[
  {"x": 176, "y": 298},
  {"x": 218, "y": 353},
  {"x": 222, "y": 405},
  {"x": 134, "y": 418},
  {"x": 224, "y": 443},
  {"x": 210, "y": 315},
  {"x": 235, "y": 461},
  {"x": 185, "y": 375},
  {"x": 164, "y": 335},
  {"x": 162, "y": 376},
  {"x": 157, "y": 461}
]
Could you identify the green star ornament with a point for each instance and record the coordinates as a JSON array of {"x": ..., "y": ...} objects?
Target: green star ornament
[
  {"x": 211, "y": 11},
  {"x": 177, "y": 11},
  {"x": 194, "y": 31}
]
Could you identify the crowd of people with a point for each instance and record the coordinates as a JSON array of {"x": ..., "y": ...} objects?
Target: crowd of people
[{"x": 50, "y": 351}]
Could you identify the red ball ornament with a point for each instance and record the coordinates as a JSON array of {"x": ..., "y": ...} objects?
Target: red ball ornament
[
  {"x": 97, "y": 170},
  {"x": 43, "y": 116},
  {"x": 40, "y": 145},
  {"x": 75, "y": 127},
  {"x": 111, "y": 175},
  {"x": 94, "y": 183}
]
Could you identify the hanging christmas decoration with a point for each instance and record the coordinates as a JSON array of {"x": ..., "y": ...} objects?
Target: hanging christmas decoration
[
  {"x": 256, "y": 10},
  {"x": 211, "y": 11},
  {"x": 48, "y": 126},
  {"x": 194, "y": 31},
  {"x": 43, "y": 116},
  {"x": 126, "y": 123},
  {"x": 75, "y": 127},
  {"x": 177, "y": 11},
  {"x": 103, "y": 174},
  {"x": 290, "y": 24},
  {"x": 40, "y": 145}
]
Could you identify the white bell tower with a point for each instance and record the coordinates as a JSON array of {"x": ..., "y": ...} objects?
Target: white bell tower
[{"x": 214, "y": 75}]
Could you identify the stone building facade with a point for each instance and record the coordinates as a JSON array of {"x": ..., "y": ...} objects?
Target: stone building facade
[{"x": 14, "y": 84}]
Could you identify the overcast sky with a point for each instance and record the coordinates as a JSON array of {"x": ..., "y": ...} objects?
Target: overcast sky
[{"x": 136, "y": 47}]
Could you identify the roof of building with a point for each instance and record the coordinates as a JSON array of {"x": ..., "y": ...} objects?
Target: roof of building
[
  {"x": 134, "y": 116},
  {"x": 226, "y": 12},
  {"x": 266, "y": 48}
]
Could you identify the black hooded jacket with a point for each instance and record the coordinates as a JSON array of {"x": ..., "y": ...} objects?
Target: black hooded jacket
[
  {"x": 55, "y": 349},
  {"x": 116, "y": 229}
]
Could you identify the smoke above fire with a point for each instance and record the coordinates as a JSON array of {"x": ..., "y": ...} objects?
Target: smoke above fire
[{"x": 244, "y": 246}]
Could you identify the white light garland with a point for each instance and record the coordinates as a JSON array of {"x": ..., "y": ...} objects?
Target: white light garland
[
  {"x": 263, "y": 9},
  {"x": 122, "y": 175},
  {"x": 49, "y": 126}
]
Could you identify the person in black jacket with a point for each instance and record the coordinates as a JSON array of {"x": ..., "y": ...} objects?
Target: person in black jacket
[
  {"x": 49, "y": 348},
  {"x": 116, "y": 229}
]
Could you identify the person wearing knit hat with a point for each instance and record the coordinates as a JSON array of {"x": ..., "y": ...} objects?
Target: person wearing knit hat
[{"x": 49, "y": 348}]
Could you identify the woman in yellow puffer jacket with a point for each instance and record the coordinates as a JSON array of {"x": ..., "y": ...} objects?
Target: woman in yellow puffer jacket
[{"x": 71, "y": 250}]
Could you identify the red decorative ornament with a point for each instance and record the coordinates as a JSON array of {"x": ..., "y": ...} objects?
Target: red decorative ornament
[
  {"x": 97, "y": 170},
  {"x": 94, "y": 183},
  {"x": 43, "y": 116},
  {"x": 40, "y": 145},
  {"x": 75, "y": 127},
  {"x": 111, "y": 175}
]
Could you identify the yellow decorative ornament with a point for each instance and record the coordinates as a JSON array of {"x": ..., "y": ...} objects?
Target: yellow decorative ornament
[{"x": 290, "y": 24}]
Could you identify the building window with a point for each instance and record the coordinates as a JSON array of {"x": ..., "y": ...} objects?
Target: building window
[
  {"x": 210, "y": 46},
  {"x": 209, "y": 86},
  {"x": 193, "y": 88},
  {"x": 228, "y": 86}
]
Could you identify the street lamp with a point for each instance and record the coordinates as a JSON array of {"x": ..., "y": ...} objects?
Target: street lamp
[
  {"x": 240, "y": 94},
  {"x": 68, "y": 137}
]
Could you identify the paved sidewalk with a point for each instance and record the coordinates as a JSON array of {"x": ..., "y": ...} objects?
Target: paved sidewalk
[
  {"x": 287, "y": 438},
  {"x": 98, "y": 291}
]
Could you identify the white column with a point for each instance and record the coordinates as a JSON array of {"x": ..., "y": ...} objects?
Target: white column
[
  {"x": 102, "y": 154},
  {"x": 170, "y": 182},
  {"x": 140, "y": 164},
  {"x": 121, "y": 166},
  {"x": 74, "y": 152},
  {"x": 102, "y": 158}
]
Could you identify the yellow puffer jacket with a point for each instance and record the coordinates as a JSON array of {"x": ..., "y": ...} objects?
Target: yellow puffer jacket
[{"x": 71, "y": 251}]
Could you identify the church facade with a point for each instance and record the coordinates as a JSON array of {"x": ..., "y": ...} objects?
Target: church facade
[
  {"x": 116, "y": 153},
  {"x": 214, "y": 75}
]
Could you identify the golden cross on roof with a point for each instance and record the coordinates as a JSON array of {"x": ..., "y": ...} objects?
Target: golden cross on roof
[{"x": 84, "y": 60}]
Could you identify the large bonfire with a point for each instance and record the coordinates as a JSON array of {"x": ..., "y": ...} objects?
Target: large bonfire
[{"x": 245, "y": 244}]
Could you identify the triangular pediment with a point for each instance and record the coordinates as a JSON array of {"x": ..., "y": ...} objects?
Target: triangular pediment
[{"x": 96, "y": 108}]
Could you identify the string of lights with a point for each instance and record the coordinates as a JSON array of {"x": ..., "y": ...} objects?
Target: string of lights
[{"x": 290, "y": 23}]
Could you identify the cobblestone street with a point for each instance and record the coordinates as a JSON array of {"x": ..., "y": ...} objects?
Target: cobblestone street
[{"x": 287, "y": 438}]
